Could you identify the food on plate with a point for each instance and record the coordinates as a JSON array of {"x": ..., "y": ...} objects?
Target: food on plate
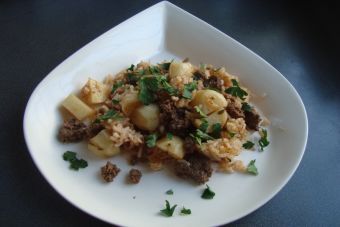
[{"x": 172, "y": 114}]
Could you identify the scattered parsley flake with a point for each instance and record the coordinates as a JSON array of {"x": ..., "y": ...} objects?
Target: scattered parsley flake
[
  {"x": 246, "y": 107},
  {"x": 132, "y": 78},
  {"x": 231, "y": 134},
  {"x": 216, "y": 130},
  {"x": 166, "y": 86},
  {"x": 169, "y": 192},
  {"x": 131, "y": 67},
  {"x": 75, "y": 163},
  {"x": 145, "y": 95},
  {"x": 110, "y": 114},
  {"x": 263, "y": 142},
  {"x": 200, "y": 136},
  {"x": 185, "y": 211},
  {"x": 169, "y": 135},
  {"x": 236, "y": 90},
  {"x": 115, "y": 101},
  {"x": 207, "y": 193},
  {"x": 116, "y": 86},
  {"x": 165, "y": 65},
  {"x": 251, "y": 168},
  {"x": 151, "y": 140},
  {"x": 188, "y": 88},
  {"x": 248, "y": 145},
  {"x": 168, "y": 211},
  {"x": 198, "y": 110},
  {"x": 204, "y": 125},
  {"x": 154, "y": 70}
]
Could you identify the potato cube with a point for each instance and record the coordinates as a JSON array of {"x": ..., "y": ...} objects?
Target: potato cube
[
  {"x": 101, "y": 145},
  {"x": 94, "y": 92},
  {"x": 174, "y": 146},
  {"x": 76, "y": 107}
]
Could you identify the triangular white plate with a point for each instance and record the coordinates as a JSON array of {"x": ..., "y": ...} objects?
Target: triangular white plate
[{"x": 161, "y": 32}]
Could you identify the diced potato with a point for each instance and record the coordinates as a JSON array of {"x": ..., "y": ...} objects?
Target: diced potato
[
  {"x": 174, "y": 146},
  {"x": 129, "y": 103},
  {"x": 101, "y": 145},
  {"x": 146, "y": 117},
  {"x": 94, "y": 92},
  {"x": 180, "y": 69},
  {"x": 76, "y": 107},
  {"x": 219, "y": 116},
  {"x": 209, "y": 101}
]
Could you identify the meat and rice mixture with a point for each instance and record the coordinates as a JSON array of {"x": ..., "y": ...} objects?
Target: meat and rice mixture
[{"x": 170, "y": 114}]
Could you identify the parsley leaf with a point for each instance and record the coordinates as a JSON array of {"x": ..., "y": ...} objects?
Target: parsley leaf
[
  {"x": 185, "y": 211},
  {"x": 251, "y": 168},
  {"x": 154, "y": 70},
  {"x": 151, "y": 140},
  {"x": 231, "y": 134},
  {"x": 246, "y": 107},
  {"x": 166, "y": 86},
  {"x": 146, "y": 95},
  {"x": 108, "y": 115},
  {"x": 169, "y": 192},
  {"x": 75, "y": 163},
  {"x": 204, "y": 125},
  {"x": 168, "y": 211},
  {"x": 248, "y": 145},
  {"x": 198, "y": 110},
  {"x": 132, "y": 79},
  {"x": 263, "y": 142},
  {"x": 116, "y": 86},
  {"x": 200, "y": 136},
  {"x": 115, "y": 101},
  {"x": 131, "y": 67},
  {"x": 236, "y": 91},
  {"x": 165, "y": 65},
  {"x": 188, "y": 88},
  {"x": 208, "y": 194},
  {"x": 216, "y": 130},
  {"x": 169, "y": 135}
]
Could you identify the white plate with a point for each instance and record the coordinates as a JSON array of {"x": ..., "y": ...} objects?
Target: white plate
[{"x": 160, "y": 32}]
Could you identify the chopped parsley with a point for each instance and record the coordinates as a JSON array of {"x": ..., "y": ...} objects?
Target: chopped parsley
[
  {"x": 169, "y": 192},
  {"x": 251, "y": 168},
  {"x": 115, "y": 101},
  {"x": 131, "y": 67},
  {"x": 132, "y": 78},
  {"x": 207, "y": 193},
  {"x": 263, "y": 142},
  {"x": 111, "y": 114},
  {"x": 154, "y": 70},
  {"x": 116, "y": 86},
  {"x": 204, "y": 125},
  {"x": 246, "y": 107},
  {"x": 231, "y": 134},
  {"x": 185, "y": 211},
  {"x": 75, "y": 163},
  {"x": 169, "y": 135},
  {"x": 168, "y": 211},
  {"x": 216, "y": 130},
  {"x": 198, "y": 110},
  {"x": 236, "y": 90},
  {"x": 165, "y": 65},
  {"x": 151, "y": 140},
  {"x": 248, "y": 145},
  {"x": 166, "y": 86},
  {"x": 188, "y": 88},
  {"x": 200, "y": 136}
]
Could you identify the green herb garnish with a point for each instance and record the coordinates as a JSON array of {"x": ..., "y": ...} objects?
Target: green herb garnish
[
  {"x": 168, "y": 211},
  {"x": 132, "y": 78},
  {"x": 216, "y": 130},
  {"x": 185, "y": 211},
  {"x": 151, "y": 140},
  {"x": 208, "y": 194},
  {"x": 75, "y": 163},
  {"x": 200, "y": 136},
  {"x": 154, "y": 70},
  {"x": 115, "y": 101},
  {"x": 116, "y": 86},
  {"x": 248, "y": 145},
  {"x": 169, "y": 192},
  {"x": 198, "y": 110},
  {"x": 231, "y": 134},
  {"x": 165, "y": 65},
  {"x": 188, "y": 88},
  {"x": 251, "y": 168},
  {"x": 263, "y": 142},
  {"x": 169, "y": 135},
  {"x": 236, "y": 90},
  {"x": 131, "y": 67},
  {"x": 204, "y": 125},
  {"x": 246, "y": 107},
  {"x": 111, "y": 114},
  {"x": 166, "y": 86}
]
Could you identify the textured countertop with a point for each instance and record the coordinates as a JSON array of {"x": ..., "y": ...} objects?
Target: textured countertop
[{"x": 300, "y": 41}]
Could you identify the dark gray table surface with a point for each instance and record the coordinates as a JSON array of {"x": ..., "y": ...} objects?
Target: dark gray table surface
[{"x": 300, "y": 41}]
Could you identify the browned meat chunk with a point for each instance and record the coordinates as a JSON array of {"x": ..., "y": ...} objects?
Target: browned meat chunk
[
  {"x": 198, "y": 75},
  {"x": 190, "y": 145},
  {"x": 109, "y": 171},
  {"x": 252, "y": 119},
  {"x": 213, "y": 82},
  {"x": 174, "y": 118},
  {"x": 74, "y": 131},
  {"x": 134, "y": 176},
  {"x": 233, "y": 110},
  {"x": 195, "y": 167}
]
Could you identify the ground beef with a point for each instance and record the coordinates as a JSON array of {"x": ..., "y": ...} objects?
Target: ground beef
[
  {"x": 213, "y": 82},
  {"x": 174, "y": 118},
  {"x": 252, "y": 119},
  {"x": 233, "y": 110},
  {"x": 195, "y": 167},
  {"x": 134, "y": 176},
  {"x": 190, "y": 145},
  {"x": 74, "y": 131},
  {"x": 109, "y": 171},
  {"x": 198, "y": 75}
]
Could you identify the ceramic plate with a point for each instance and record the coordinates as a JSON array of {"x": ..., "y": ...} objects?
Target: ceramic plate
[{"x": 161, "y": 32}]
